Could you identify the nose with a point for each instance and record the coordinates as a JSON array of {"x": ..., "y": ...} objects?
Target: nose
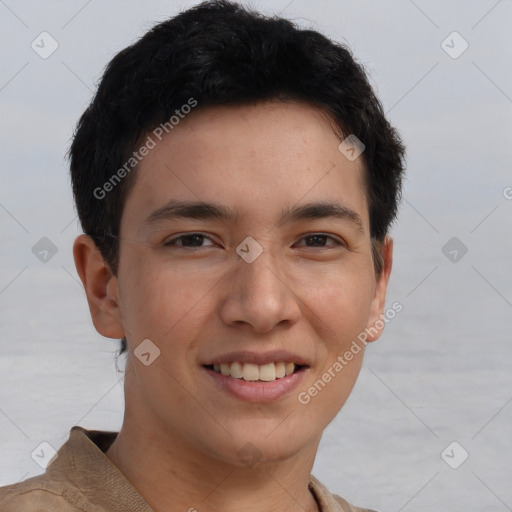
[{"x": 260, "y": 295}]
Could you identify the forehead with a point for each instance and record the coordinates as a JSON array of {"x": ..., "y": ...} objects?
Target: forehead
[{"x": 256, "y": 159}]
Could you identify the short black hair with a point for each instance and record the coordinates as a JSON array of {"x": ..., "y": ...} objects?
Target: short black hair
[{"x": 221, "y": 53}]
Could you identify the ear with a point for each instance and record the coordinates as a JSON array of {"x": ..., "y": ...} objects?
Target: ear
[
  {"x": 100, "y": 287},
  {"x": 375, "y": 321}
]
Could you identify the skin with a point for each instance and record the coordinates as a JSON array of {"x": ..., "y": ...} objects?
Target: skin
[{"x": 199, "y": 301}]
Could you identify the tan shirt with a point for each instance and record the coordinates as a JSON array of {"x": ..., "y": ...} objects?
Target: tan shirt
[{"x": 83, "y": 479}]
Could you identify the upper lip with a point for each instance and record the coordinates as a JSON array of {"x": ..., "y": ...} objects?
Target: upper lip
[{"x": 259, "y": 358}]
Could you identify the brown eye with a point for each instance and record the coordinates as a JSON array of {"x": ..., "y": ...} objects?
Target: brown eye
[
  {"x": 188, "y": 240},
  {"x": 319, "y": 240}
]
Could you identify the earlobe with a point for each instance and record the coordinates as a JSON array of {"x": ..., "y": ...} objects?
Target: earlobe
[
  {"x": 100, "y": 286},
  {"x": 376, "y": 322}
]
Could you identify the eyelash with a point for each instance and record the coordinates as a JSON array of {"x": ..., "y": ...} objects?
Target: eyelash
[{"x": 171, "y": 242}]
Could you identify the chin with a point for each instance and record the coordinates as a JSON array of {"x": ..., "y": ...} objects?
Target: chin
[{"x": 261, "y": 448}]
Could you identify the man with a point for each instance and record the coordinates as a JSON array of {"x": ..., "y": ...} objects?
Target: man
[{"x": 236, "y": 179}]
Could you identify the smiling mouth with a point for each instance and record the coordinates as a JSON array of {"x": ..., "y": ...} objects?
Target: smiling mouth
[{"x": 255, "y": 372}]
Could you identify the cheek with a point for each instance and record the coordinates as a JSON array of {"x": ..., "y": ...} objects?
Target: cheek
[
  {"x": 330, "y": 386},
  {"x": 339, "y": 302},
  {"x": 157, "y": 297}
]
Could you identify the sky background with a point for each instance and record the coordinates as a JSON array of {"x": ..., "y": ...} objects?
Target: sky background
[{"x": 440, "y": 373}]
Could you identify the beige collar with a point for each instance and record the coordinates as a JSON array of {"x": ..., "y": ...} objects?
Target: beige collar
[{"x": 82, "y": 461}]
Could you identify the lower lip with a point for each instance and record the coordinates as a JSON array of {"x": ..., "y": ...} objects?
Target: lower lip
[{"x": 257, "y": 391}]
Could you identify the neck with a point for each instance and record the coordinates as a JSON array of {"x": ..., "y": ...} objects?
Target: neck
[{"x": 170, "y": 475}]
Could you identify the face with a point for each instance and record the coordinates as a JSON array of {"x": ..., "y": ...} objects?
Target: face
[{"x": 249, "y": 301}]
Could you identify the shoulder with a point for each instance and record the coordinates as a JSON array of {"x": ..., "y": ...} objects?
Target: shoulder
[
  {"x": 71, "y": 480},
  {"x": 328, "y": 502},
  {"x": 38, "y": 494},
  {"x": 348, "y": 507}
]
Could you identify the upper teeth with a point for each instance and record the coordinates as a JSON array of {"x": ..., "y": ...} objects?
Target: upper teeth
[{"x": 250, "y": 371}]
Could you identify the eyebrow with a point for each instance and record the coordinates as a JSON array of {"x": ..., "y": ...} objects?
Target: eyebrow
[{"x": 175, "y": 209}]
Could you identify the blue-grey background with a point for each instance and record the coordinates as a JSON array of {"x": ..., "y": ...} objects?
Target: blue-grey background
[{"x": 441, "y": 372}]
